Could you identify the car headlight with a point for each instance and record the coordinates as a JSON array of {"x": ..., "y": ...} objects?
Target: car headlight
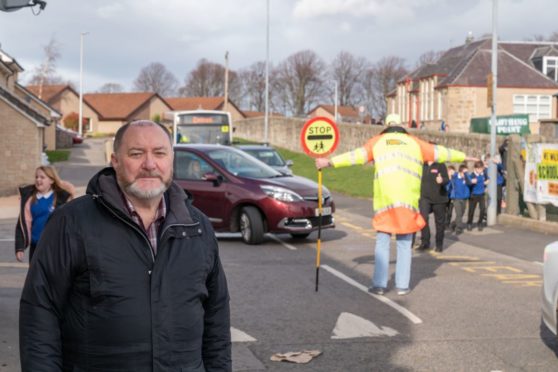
[{"x": 281, "y": 194}]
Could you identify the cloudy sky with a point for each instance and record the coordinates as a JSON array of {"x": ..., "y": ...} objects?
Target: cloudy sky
[{"x": 126, "y": 35}]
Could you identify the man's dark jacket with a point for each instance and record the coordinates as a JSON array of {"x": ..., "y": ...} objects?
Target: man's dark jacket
[
  {"x": 96, "y": 300},
  {"x": 430, "y": 190}
]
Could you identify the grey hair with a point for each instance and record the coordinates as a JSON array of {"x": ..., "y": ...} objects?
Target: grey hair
[{"x": 137, "y": 123}]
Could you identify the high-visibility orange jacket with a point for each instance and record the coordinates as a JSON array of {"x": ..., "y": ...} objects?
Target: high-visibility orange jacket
[{"x": 398, "y": 159}]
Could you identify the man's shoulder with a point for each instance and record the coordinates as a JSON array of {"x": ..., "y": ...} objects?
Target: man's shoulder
[{"x": 80, "y": 205}]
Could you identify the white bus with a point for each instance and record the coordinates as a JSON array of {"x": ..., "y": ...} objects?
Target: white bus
[{"x": 202, "y": 126}]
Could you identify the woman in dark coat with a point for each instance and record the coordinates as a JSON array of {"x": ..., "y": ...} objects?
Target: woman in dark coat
[{"x": 38, "y": 201}]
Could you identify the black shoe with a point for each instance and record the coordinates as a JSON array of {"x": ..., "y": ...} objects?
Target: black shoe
[
  {"x": 469, "y": 227},
  {"x": 458, "y": 231},
  {"x": 480, "y": 227},
  {"x": 423, "y": 247},
  {"x": 377, "y": 290},
  {"x": 439, "y": 249}
]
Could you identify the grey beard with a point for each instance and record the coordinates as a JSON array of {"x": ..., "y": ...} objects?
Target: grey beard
[{"x": 135, "y": 191}]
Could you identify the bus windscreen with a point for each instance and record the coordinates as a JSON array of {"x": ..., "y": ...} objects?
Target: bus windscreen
[{"x": 215, "y": 134}]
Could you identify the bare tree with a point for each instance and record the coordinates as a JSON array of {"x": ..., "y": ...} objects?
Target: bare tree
[
  {"x": 111, "y": 88},
  {"x": 45, "y": 73},
  {"x": 380, "y": 80},
  {"x": 208, "y": 80},
  {"x": 347, "y": 71},
  {"x": 428, "y": 58},
  {"x": 253, "y": 86},
  {"x": 536, "y": 37},
  {"x": 157, "y": 79},
  {"x": 300, "y": 80},
  {"x": 553, "y": 36}
]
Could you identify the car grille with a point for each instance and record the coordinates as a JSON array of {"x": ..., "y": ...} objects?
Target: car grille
[
  {"x": 315, "y": 199},
  {"x": 326, "y": 220}
]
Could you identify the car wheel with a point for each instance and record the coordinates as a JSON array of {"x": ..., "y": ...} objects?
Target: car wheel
[
  {"x": 251, "y": 225},
  {"x": 300, "y": 235}
]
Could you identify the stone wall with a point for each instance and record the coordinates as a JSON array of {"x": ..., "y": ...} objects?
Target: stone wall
[
  {"x": 285, "y": 132},
  {"x": 21, "y": 143}
]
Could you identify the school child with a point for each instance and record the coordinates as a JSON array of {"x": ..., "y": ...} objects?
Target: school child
[
  {"x": 479, "y": 180},
  {"x": 459, "y": 194},
  {"x": 449, "y": 208}
]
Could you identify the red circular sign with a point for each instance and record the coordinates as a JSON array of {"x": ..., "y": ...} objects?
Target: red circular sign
[{"x": 319, "y": 137}]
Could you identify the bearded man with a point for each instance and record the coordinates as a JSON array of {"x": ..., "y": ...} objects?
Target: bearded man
[{"x": 128, "y": 276}]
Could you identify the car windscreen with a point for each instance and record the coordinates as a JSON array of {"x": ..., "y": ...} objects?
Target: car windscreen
[
  {"x": 242, "y": 164},
  {"x": 268, "y": 156}
]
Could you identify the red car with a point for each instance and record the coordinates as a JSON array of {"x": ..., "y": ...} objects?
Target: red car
[{"x": 242, "y": 194}]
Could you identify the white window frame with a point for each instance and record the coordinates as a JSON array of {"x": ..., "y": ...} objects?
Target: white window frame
[
  {"x": 536, "y": 106},
  {"x": 553, "y": 63}
]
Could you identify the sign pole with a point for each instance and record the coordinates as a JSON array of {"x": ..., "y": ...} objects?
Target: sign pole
[
  {"x": 319, "y": 242},
  {"x": 319, "y": 138}
]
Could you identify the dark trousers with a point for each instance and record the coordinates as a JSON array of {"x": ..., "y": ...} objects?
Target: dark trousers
[
  {"x": 439, "y": 210},
  {"x": 473, "y": 201},
  {"x": 459, "y": 206},
  {"x": 449, "y": 213}
]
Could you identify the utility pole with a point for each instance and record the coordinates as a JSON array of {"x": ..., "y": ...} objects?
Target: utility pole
[
  {"x": 226, "y": 103},
  {"x": 492, "y": 197}
]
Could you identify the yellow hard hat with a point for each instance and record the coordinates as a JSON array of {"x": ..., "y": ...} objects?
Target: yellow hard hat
[{"x": 393, "y": 119}]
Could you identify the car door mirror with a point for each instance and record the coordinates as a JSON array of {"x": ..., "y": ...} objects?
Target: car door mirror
[
  {"x": 289, "y": 163},
  {"x": 217, "y": 179}
]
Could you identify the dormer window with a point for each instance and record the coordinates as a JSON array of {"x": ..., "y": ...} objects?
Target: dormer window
[{"x": 550, "y": 67}]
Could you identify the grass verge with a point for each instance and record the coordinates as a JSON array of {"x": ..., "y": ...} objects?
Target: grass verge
[
  {"x": 58, "y": 155},
  {"x": 353, "y": 181}
]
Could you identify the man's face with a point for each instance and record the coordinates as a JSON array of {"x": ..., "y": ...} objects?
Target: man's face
[{"x": 143, "y": 163}]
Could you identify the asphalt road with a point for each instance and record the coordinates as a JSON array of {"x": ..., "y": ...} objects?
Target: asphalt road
[{"x": 475, "y": 307}]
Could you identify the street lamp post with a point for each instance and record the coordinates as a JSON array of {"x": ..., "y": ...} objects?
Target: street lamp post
[
  {"x": 492, "y": 190},
  {"x": 266, "y": 115},
  {"x": 226, "y": 98},
  {"x": 80, "y": 123}
]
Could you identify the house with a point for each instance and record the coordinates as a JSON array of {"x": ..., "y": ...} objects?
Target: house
[
  {"x": 65, "y": 100},
  {"x": 345, "y": 114},
  {"x": 116, "y": 109},
  {"x": 205, "y": 103},
  {"x": 24, "y": 120},
  {"x": 454, "y": 89}
]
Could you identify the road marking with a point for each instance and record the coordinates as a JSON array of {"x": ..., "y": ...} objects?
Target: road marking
[
  {"x": 538, "y": 263},
  {"x": 406, "y": 313},
  {"x": 504, "y": 274},
  {"x": 355, "y": 227},
  {"x": 21, "y": 265},
  {"x": 7, "y": 240},
  {"x": 352, "y": 326},
  {"x": 238, "y": 336},
  {"x": 284, "y": 244}
]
